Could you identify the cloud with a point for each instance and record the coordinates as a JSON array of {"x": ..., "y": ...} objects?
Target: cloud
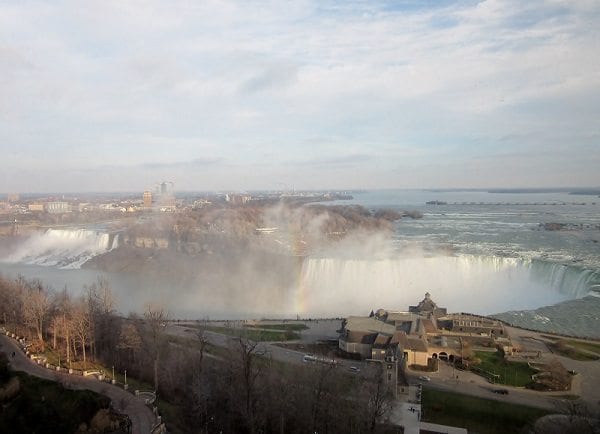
[
  {"x": 341, "y": 160},
  {"x": 191, "y": 164},
  {"x": 271, "y": 77},
  {"x": 359, "y": 87}
]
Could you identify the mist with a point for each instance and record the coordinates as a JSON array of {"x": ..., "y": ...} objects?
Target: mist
[{"x": 311, "y": 261}]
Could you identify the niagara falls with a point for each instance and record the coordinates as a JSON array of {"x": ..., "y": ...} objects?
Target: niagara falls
[{"x": 472, "y": 257}]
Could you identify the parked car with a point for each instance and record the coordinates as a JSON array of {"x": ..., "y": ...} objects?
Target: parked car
[
  {"x": 355, "y": 369},
  {"x": 500, "y": 391},
  {"x": 424, "y": 378}
]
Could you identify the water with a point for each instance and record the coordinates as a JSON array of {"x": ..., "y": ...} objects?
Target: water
[
  {"x": 132, "y": 291},
  {"x": 464, "y": 283},
  {"x": 63, "y": 248},
  {"x": 472, "y": 255},
  {"x": 498, "y": 230}
]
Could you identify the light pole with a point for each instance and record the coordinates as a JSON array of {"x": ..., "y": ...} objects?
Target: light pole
[
  {"x": 113, "y": 376},
  {"x": 125, "y": 376}
]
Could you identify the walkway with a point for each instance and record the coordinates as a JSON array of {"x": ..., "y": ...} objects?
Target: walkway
[{"x": 142, "y": 418}]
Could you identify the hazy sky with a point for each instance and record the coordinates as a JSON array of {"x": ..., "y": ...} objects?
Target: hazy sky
[{"x": 116, "y": 95}]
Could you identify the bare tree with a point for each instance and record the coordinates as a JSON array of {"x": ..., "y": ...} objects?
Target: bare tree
[
  {"x": 378, "y": 396},
  {"x": 105, "y": 299},
  {"x": 82, "y": 326},
  {"x": 320, "y": 390},
  {"x": 62, "y": 311},
  {"x": 130, "y": 341},
  {"x": 156, "y": 318},
  {"x": 574, "y": 417},
  {"x": 35, "y": 307},
  {"x": 101, "y": 304},
  {"x": 11, "y": 302},
  {"x": 247, "y": 353}
]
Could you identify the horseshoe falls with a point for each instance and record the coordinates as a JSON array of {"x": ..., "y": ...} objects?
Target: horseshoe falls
[{"x": 467, "y": 283}]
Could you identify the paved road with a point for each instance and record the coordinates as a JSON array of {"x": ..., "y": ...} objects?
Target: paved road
[
  {"x": 586, "y": 384},
  {"x": 277, "y": 353},
  {"x": 141, "y": 416},
  {"x": 475, "y": 385}
]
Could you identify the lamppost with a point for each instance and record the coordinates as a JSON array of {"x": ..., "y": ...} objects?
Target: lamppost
[
  {"x": 113, "y": 376},
  {"x": 126, "y": 386}
]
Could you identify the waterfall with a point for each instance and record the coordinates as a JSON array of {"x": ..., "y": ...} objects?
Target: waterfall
[
  {"x": 574, "y": 281},
  {"x": 482, "y": 284},
  {"x": 63, "y": 248}
]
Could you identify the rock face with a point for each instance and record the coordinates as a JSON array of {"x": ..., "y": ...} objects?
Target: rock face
[
  {"x": 224, "y": 233},
  {"x": 553, "y": 226}
]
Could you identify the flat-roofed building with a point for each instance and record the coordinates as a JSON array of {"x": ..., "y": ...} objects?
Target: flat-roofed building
[
  {"x": 58, "y": 207},
  {"x": 468, "y": 323},
  {"x": 36, "y": 207}
]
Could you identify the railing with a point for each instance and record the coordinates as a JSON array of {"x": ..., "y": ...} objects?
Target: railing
[{"x": 148, "y": 396}]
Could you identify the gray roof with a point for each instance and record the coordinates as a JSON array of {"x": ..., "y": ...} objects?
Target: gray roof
[{"x": 367, "y": 324}]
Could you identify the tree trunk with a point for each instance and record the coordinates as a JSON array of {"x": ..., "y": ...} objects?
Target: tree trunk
[
  {"x": 156, "y": 374},
  {"x": 68, "y": 344},
  {"x": 83, "y": 350}
]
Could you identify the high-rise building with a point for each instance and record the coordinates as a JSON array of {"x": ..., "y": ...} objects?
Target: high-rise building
[
  {"x": 147, "y": 199},
  {"x": 58, "y": 207},
  {"x": 165, "y": 196}
]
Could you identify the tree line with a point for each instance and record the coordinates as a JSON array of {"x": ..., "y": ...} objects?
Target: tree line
[{"x": 206, "y": 389}]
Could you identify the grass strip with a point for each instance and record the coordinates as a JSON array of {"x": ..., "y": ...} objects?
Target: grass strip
[
  {"x": 516, "y": 374},
  {"x": 293, "y": 327},
  {"x": 479, "y": 415}
]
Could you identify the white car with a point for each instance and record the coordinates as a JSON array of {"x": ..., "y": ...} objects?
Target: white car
[{"x": 424, "y": 378}]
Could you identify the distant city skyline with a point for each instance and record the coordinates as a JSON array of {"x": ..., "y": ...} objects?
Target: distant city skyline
[{"x": 311, "y": 95}]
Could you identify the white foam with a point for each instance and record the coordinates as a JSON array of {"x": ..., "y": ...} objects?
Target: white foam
[{"x": 63, "y": 248}]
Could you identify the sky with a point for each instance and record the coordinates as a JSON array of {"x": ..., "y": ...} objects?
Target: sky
[{"x": 226, "y": 95}]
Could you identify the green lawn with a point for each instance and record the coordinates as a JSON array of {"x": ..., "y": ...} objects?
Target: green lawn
[
  {"x": 503, "y": 372},
  {"x": 572, "y": 349},
  {"x": 257, "y": 334},
  {"x": 588, "y": 346},
  {"x": 46, "y": 406},
  {"x": 479, "y": 415},
  {"x": 53, "y": 357},
  {"x": 293, "y": 327}
]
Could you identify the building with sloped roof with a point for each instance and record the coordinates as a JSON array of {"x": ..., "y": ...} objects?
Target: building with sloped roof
[
  {"x": 387, "y": 335},
  {"x": 427, "y": 307}
]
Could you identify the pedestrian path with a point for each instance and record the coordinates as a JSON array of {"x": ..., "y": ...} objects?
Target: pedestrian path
[{"x": 142, "y": 418}]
